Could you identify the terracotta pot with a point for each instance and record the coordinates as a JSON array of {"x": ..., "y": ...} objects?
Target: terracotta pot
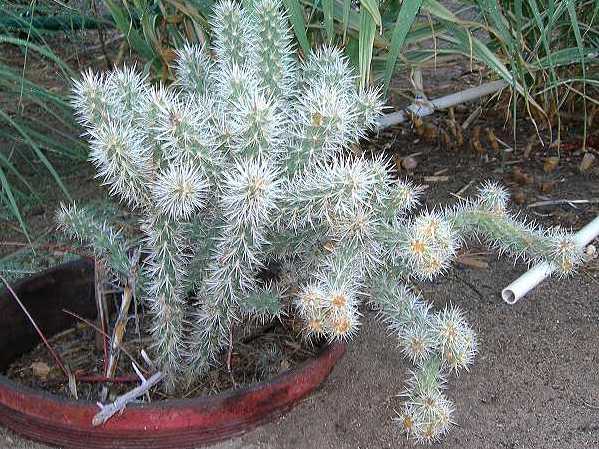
[{"x": 176, "y": 424}]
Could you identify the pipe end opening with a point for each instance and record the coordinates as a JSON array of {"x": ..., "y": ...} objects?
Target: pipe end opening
[{"x": 508, "y": 296}]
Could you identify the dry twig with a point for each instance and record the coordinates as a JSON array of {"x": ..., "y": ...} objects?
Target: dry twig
[
  {"x": 563, "y": 201},
  {"x": 109, "y": 410}
]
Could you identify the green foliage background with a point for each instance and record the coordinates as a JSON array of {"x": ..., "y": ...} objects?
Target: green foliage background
[{"x": 547, "y": 51}]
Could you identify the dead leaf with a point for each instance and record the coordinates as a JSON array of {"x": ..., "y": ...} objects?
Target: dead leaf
[
  {"x": 397, "y": 160},
  {"x": 447, "y": 143},
  {"x": 357, "y": 149},
  {"x": 429, "y": 132},
  {"x": 174, "y": 19},
  {"x": 329, "y": 246},
  {"x": 551, "y": 163},
  {"x": 472, "y": 262},
  {"x": 40, "y": 370},
  {"x": 436, "y": 178},
  {"x": 527, "y": 150},
  {"x": 72, "y": 384},
  {"x": 169, "y": 54},
  {"x": 547, "y": 186},
  {"x": 475, "y": 141},
  {"x": 416, "y": 123},
  {"x": 492, "y": 140},
  {"x": 519, "y": 197},
  {"x": 521, "y": 177},
  {"x": 587, "y": 161},
  {"x": 285, "y": 365}
]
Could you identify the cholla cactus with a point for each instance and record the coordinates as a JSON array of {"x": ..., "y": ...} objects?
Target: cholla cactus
[{"x": 244, "y": 161}]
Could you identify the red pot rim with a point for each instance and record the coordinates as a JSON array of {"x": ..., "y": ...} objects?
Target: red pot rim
[{"x": 170, "y": 423}]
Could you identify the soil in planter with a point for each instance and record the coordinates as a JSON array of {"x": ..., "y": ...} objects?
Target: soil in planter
[{"x": 259, "y": 352}]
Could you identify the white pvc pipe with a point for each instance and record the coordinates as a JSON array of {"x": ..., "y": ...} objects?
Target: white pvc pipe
[
  {"x": 533, "y": 277},
  {"x": 424, "y": 108}
]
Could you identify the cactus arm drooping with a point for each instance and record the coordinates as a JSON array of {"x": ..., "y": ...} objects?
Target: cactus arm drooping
[
  {"x": 488, "y": 219},
  {"x": 107, "y": 244}
]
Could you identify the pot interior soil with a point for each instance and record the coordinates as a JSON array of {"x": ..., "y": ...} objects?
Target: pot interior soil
[{"x": 259, "y": 352}]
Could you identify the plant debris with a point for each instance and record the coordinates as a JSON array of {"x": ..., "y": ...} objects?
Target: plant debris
[{"x": 259, "y": 353}]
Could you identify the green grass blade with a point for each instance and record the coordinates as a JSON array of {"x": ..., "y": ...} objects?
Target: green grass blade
[
  {"x": 366, "y": 39},
  {"x": 352, "y": 50},
  {"x": 439, "y": 11},
  {"x": 64, "y": 145},
  {"x": 373, "y": 9},
  {"x": 580, "y": 44},
  {"x": 590, "y": 81},
  {"x": 8, "y": 78},
  {"x": 11, "y": 202},
  {"x": 10, "y": 166},
  {"x": 565, "y": 57},
  {"x": 491, "y": 8},
  {"x": 46, "y": 52},
  {"x": 38, "y": 152},
  {"x": 534, "y": 7},
  {"x": 405, "y": 18},
  {"x": 345, "y": 21},
  {"x": 296, "y": 17},
  {"x": 124, "y": 23},
  {"x": 479, "y": 51},
  {"x": 327, "y": 8},
  {"x": 353, "y": 20}
]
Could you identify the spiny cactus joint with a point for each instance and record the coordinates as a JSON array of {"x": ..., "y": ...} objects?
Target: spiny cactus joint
[{"x": 244, "y": 161}]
